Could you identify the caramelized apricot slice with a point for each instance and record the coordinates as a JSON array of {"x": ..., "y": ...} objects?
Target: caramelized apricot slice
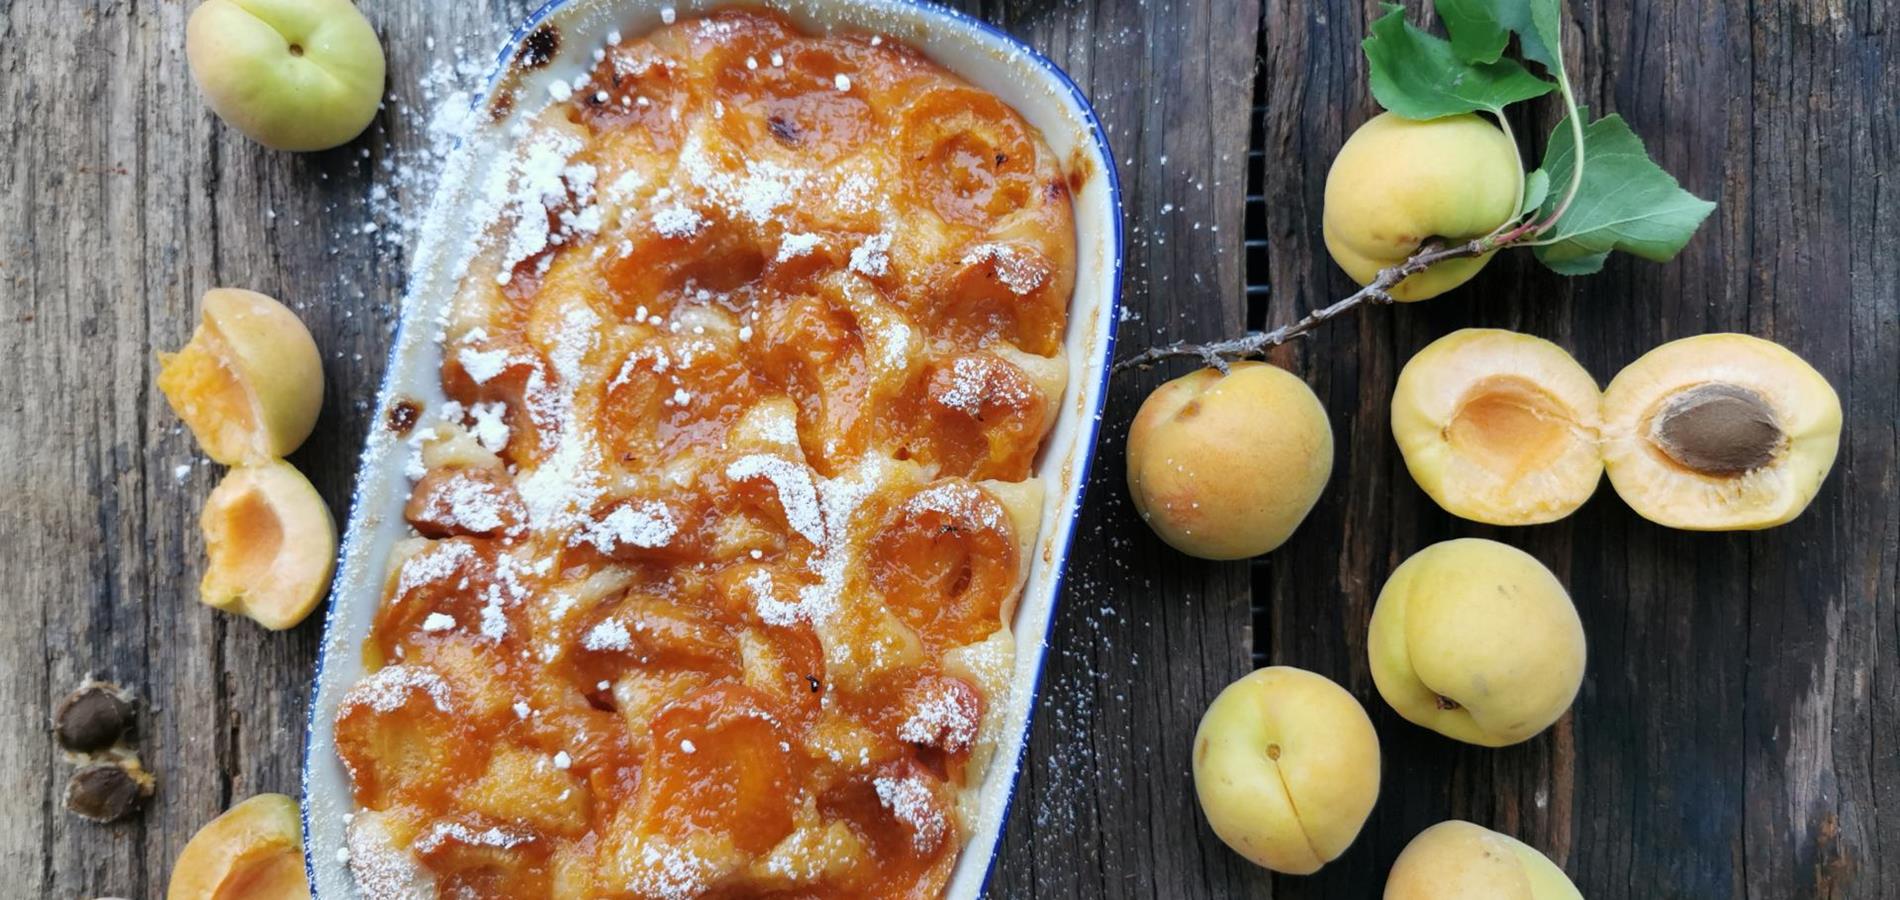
[
  {"x": 401, "y": 737},
  {"x": 946, "y": 563},
  {"x": 271, "y": 543},
  {"x": 973, "y": 159},
  {"x": 720, "y": 764},
  {"x": 254, "y": 851},
  {"x": 249, "y": 384}
]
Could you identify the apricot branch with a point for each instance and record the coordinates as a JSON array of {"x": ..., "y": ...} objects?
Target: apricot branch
[{"x": 1219, "y": 354}]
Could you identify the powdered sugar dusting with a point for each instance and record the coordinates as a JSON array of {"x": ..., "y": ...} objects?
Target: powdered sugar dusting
[
  {"x": 797, "y": 495},
  {"x": 647, "y": 525},
  {"x": 941, "y": 720},
  {"x": 1019, "y": 271},
  {"x": 872, "y": 257},
  {"x": 911, "y": 801},
  {"x": 610, "y": 634},
  {"x": 391, "y": 687}
]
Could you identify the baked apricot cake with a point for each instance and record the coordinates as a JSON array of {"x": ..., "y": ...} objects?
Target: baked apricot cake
[{"x": 720, "y": 530}]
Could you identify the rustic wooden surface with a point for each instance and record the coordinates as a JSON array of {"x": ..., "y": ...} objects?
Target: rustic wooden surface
[{"x": 1737, "y": 734}]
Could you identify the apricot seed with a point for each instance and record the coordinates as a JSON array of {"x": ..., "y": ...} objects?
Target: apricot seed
[
  {"x": 106, "y": 792},
  {"x": 1477, "y": 641},
  {"x": 1227, "y": 466},
  {"x": 253, "y": 851},
  {"x": 249, "y": 384},
  {"x": 1398, "y": 183},
  {"x": 291, "y": 74},
  {"x": 271, "y": 543},
  {"x": 1499, "y": 427},
  {"x": 1719, "y": 432},
  {"x": 1460, "y": 861},
  {"x": 93, "y": 717},
  {"x": 1286, "y": 768}
]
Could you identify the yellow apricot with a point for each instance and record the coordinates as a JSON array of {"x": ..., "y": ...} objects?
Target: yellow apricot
[
  {"x": 1719, "y": 432},
  {"x": 1460, "y": 861},
  {"x": 254, "y": 851},
  {"x": 1499, "y": 427},
  {"x": 1398, "y": 183},
  {"x": 271, "y": 543},
  {"x": 1286, "y": 767},
  {"x": 249, "y": 385},
  {"x": 1477, "y": 641},
  {"x": 1227, "y": 466}
]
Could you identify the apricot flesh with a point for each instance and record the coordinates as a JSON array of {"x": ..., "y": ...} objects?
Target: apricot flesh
[
  {"x": 1720, "y": 432},
  {"x": 253, "y": 851},
  {"x": 1398, "y": 183},
  {"x": 1286, "y": 768},
  {"x": 249, "y": 384},
  {"x": 1477, "y": 641},
  {"x": 1499, "y": 427},
  {"x": 1460, "y": 861},
  {"x": 271, "y": 543},
  {"x": 1227, "y": 466},
  {"x": 291, "y": 74}
]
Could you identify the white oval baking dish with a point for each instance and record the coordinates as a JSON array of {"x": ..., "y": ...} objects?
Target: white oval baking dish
[{"x": 969, "y": 47}]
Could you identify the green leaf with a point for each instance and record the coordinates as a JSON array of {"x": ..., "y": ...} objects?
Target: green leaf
[
  {"x": 1478, "y": 31},
  {"x": 1418, "y": 76},
  {"x": 1626, "y": 202},
  {"x": 1536, "y": 188}
]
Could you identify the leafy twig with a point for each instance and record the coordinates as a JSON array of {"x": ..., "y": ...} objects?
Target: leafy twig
[{"x": 1255, "y": 343}]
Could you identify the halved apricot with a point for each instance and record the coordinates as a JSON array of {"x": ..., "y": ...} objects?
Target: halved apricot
[
  {"x": 254, "y": 851},
  {"x": 1499, "y": 427},
  {"x": 271, "y": 543},
  {"x": 249, "y": 384}
]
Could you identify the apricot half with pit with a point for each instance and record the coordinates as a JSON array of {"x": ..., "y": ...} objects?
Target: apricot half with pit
[
  {"x": 1227, "y": 466},
  {"x": 1719, "y": 432},
  {"x": 1499, "y": 427},
  {"x": 291, "y": 74},
  {"x": 249, "y": 385},
  {"x": 271, "y": 543},
  {"x": 253, "y": 851},
  {"x": 1286, "y": 767},
  {"x": 1460, "y": 861},
  {"x": 1477, "y": 641},
  {"x": 1399, "y": 183}
]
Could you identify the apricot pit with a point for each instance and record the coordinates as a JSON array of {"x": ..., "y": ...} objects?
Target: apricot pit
[
  {"x": 93, "y": 717},
  {"x": 249, "y": 384},
  {"x": 1719, "y": 432},
  {"x": 271, "y": 543},
  {"x": 105, "y": 792},
  {"x": 254, "y": 850}
]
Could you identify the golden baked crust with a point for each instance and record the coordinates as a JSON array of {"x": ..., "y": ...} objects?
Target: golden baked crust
[{"x": 722, "y": 529}]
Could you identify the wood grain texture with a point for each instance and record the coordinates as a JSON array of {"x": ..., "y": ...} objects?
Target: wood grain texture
[{"x": 1738, "y": 733}]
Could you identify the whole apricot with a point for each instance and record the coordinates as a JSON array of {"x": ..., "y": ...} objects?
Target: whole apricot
[
  {"x": 249, "y": 385},
  {"x": 1720, "y": 432},
  {"x": 291, "y": 74},
  {"x": 1286, "y": 767},
  {"x": 1398, "y": 183},
  {"x": 1477, "y": 641},
  {"x": 1227, "y": 466},
  {"x": 271, "y": 543},
  {"x": 254, "y": 851},
  {"x": 1460, "y": 861}
]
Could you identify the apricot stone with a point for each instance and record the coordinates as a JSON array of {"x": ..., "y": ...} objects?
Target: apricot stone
[
  {"x": 1477, "y": 641},
  {"x": 249, "y": 385},
  {"x": 291, "y": 74},
  {"x": 1398, "y": 183},
  {"x": 1227, "y": 466},
  {"x": 1286, "y": 766},
  {"x": 271, "y": 543},
  {"x": 1460, "y": 861},
  {"x": 254, "y": 851},
  {"x": 1719, "y": 432}
]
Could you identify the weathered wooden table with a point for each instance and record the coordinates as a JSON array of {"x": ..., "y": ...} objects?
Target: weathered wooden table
[{"x": 1737, "y": 734}]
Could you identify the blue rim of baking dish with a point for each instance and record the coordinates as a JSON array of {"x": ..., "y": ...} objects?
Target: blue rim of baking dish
[{"x": 1092, "y": 426}]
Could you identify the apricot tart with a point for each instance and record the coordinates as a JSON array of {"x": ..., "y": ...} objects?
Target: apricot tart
[{"x": 720, "y": 530}]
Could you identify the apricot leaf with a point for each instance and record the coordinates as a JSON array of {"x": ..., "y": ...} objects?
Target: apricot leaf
[
  {"x": 1623, "y": 202},
  {"x": 1536, "y": 188},
  {"x": 1481, "y": 29},
  {"x": 1419, "y": 76}
]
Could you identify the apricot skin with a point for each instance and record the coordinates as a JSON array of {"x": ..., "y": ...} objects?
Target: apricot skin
[
  {"x": 1286, "y": 768},
  {"x": 253, "y": 851},
  {"x": 1460, "y": 861},
  {"x": 1398, "y": 183},
  {"x": 1226, "y": 467},
  {"x": 271, "y": 542},
  {"x": 1477, "y": 641},
  {"x": 291, "y": 74},
  {"x": 249, "y": 385}
]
